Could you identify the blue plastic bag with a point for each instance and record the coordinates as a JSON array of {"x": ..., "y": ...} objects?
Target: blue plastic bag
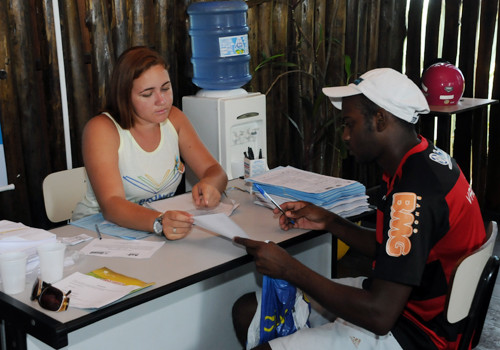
[{"x": 277, "y": 306}]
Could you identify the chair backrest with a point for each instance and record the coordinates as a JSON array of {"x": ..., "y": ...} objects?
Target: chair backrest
[
  {"x": 480, "y": 304},
  {"x": 466, "y": 277},
  {"x": 472, "y": 283},
  {"x": 62, "y": 190}
]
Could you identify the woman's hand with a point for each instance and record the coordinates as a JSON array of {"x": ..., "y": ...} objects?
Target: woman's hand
[
  {"x": 177, "y": 224},
  {"x": 205, "y": 195}
]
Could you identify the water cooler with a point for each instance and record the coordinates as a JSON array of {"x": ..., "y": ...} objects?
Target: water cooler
[
  {"x": 227, "y": 118},
  {"x": 228, "y": 126}
]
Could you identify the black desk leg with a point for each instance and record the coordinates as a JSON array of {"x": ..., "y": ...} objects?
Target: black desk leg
[
  {"x": 334, "y": 257},
  {"x": 11, "y": 337}
]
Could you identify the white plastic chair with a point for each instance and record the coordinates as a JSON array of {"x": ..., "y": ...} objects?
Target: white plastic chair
[
  {"x": 62, "y": 190},
  {"x": 471, "y": 288}
]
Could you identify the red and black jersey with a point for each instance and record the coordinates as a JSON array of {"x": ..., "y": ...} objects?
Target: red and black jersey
[{"x": 428, "y": 218}]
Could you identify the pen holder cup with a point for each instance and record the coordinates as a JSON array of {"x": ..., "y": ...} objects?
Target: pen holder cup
[{"x": 254, "y": 167}]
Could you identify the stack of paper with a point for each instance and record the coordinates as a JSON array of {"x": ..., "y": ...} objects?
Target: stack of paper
[
  {"x": 341, "y": 196},
  {"x": 15, "y": 236}
]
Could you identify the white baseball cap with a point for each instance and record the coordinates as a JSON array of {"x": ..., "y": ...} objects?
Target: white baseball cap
[{"x": 387, "y": 88}]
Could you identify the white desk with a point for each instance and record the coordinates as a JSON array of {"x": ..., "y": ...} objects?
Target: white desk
[{"x": 197, "y": 280}]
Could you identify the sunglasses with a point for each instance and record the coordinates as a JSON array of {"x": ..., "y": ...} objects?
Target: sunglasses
[{"x": 49, "y": 297}]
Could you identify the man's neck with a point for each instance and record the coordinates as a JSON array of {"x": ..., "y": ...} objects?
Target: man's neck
[{"x": 396, "y": 151}]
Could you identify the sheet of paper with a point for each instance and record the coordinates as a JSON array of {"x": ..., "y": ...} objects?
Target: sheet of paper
[
  {"x": 221, "y": 224},
  {"x": 182, "y": 202},
  {"x": 16, "y": 236},
  {"x": 185, "y": 202},
  {"x": 76, "y": 239},
  {"x": 89, "y": 292},
  {"x": 117, "y": 248}
]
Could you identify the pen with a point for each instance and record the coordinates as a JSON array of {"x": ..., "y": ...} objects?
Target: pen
[
  {"x": 98, "y": 232},
  {"x": 260, "y": 153},
  {"x": 265, "y": 194},
  {"x": 250, "y": 153}
]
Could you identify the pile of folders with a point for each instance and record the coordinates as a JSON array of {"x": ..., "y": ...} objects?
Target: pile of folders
[{"x": 344, "y": 197}]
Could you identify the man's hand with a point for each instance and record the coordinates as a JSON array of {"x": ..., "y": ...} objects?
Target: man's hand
[
  {"x": 270, "y": 259},
  {"x": 306, "y": 215}
]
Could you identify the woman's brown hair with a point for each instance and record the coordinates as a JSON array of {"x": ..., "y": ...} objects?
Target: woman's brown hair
[{"x": 130, "y": 65}]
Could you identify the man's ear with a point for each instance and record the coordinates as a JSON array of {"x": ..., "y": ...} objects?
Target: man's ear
[{"x": 381, "y": 119}]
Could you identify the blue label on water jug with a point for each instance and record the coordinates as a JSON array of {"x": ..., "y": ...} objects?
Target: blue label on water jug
[{"x": 233, "y": 45}]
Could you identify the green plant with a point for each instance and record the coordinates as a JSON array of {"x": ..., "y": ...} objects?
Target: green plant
[{"x": 314, "y": 120}]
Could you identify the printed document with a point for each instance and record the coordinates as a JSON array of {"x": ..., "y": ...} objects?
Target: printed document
[
  {"x": 93, "y": 290},
  {"x": 221, "y": 224},
  {"x": 185, "y": 202},
  {"x": 117, "y": 248}
]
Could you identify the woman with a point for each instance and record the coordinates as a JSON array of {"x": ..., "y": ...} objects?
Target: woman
[{"x": 132, "y": 151}]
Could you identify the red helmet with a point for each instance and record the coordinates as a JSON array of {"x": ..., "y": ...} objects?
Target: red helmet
[{"x": 442, "y": 84}]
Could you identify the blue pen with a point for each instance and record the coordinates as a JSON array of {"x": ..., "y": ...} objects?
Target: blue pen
[{"x": 264, "y": 193}]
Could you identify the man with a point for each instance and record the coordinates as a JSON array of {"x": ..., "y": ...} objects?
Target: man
[{"x": 427, "y": 219}]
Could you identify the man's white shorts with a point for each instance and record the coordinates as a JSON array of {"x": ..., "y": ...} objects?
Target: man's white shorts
[{"x": 339, "y": 334}]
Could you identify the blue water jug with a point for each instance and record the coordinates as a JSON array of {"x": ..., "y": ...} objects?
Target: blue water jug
[{"x": 219, "y": 43}]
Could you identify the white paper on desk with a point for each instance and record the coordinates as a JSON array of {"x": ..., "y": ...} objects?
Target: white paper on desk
[
  {"x": 16, "y": 236},
  {"x": 185, "y": 202},
  {"x": 221, "y": 224},
  {"x": 118, "y": 248},
  {"x": 89, "y": 292}
]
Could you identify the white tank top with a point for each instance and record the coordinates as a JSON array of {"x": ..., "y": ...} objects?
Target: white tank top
[{"x": 146, "y": 176}]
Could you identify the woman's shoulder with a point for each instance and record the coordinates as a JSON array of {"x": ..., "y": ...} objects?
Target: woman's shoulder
[
  {"x": 102, "y": 120},
  {"x": 101, "y": 124},
  {"x": 177, "y": 118}
]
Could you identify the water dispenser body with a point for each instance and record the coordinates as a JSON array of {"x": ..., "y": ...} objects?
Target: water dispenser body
[{"x": 228, "y": 126}]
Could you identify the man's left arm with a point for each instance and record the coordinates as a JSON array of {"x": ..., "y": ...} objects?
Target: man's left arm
[{"x": 376, "y": 309}]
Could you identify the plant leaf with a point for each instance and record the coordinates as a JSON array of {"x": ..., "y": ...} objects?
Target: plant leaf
[
  {"x": 267, "y": 60},
  {"x": 347, "y": 67},
  {"x": 295, "y": 126}
]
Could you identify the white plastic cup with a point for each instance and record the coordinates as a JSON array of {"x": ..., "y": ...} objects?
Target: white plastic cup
[
  {"x": 51, "y": 261},
  {"x": 13, "y": 270}
]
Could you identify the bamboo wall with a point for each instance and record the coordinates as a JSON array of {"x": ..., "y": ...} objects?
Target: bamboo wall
[{"x": 312, "y": 37}]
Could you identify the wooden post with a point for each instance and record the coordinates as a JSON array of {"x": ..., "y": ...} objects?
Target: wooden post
[
  {"x": 103, "y": 56},
  {"x": 27, "y": 94},
  {"x": 77, "y": 79},
  {"x": 11, "y": 130},
  {"x": 489, "y": 11}
]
